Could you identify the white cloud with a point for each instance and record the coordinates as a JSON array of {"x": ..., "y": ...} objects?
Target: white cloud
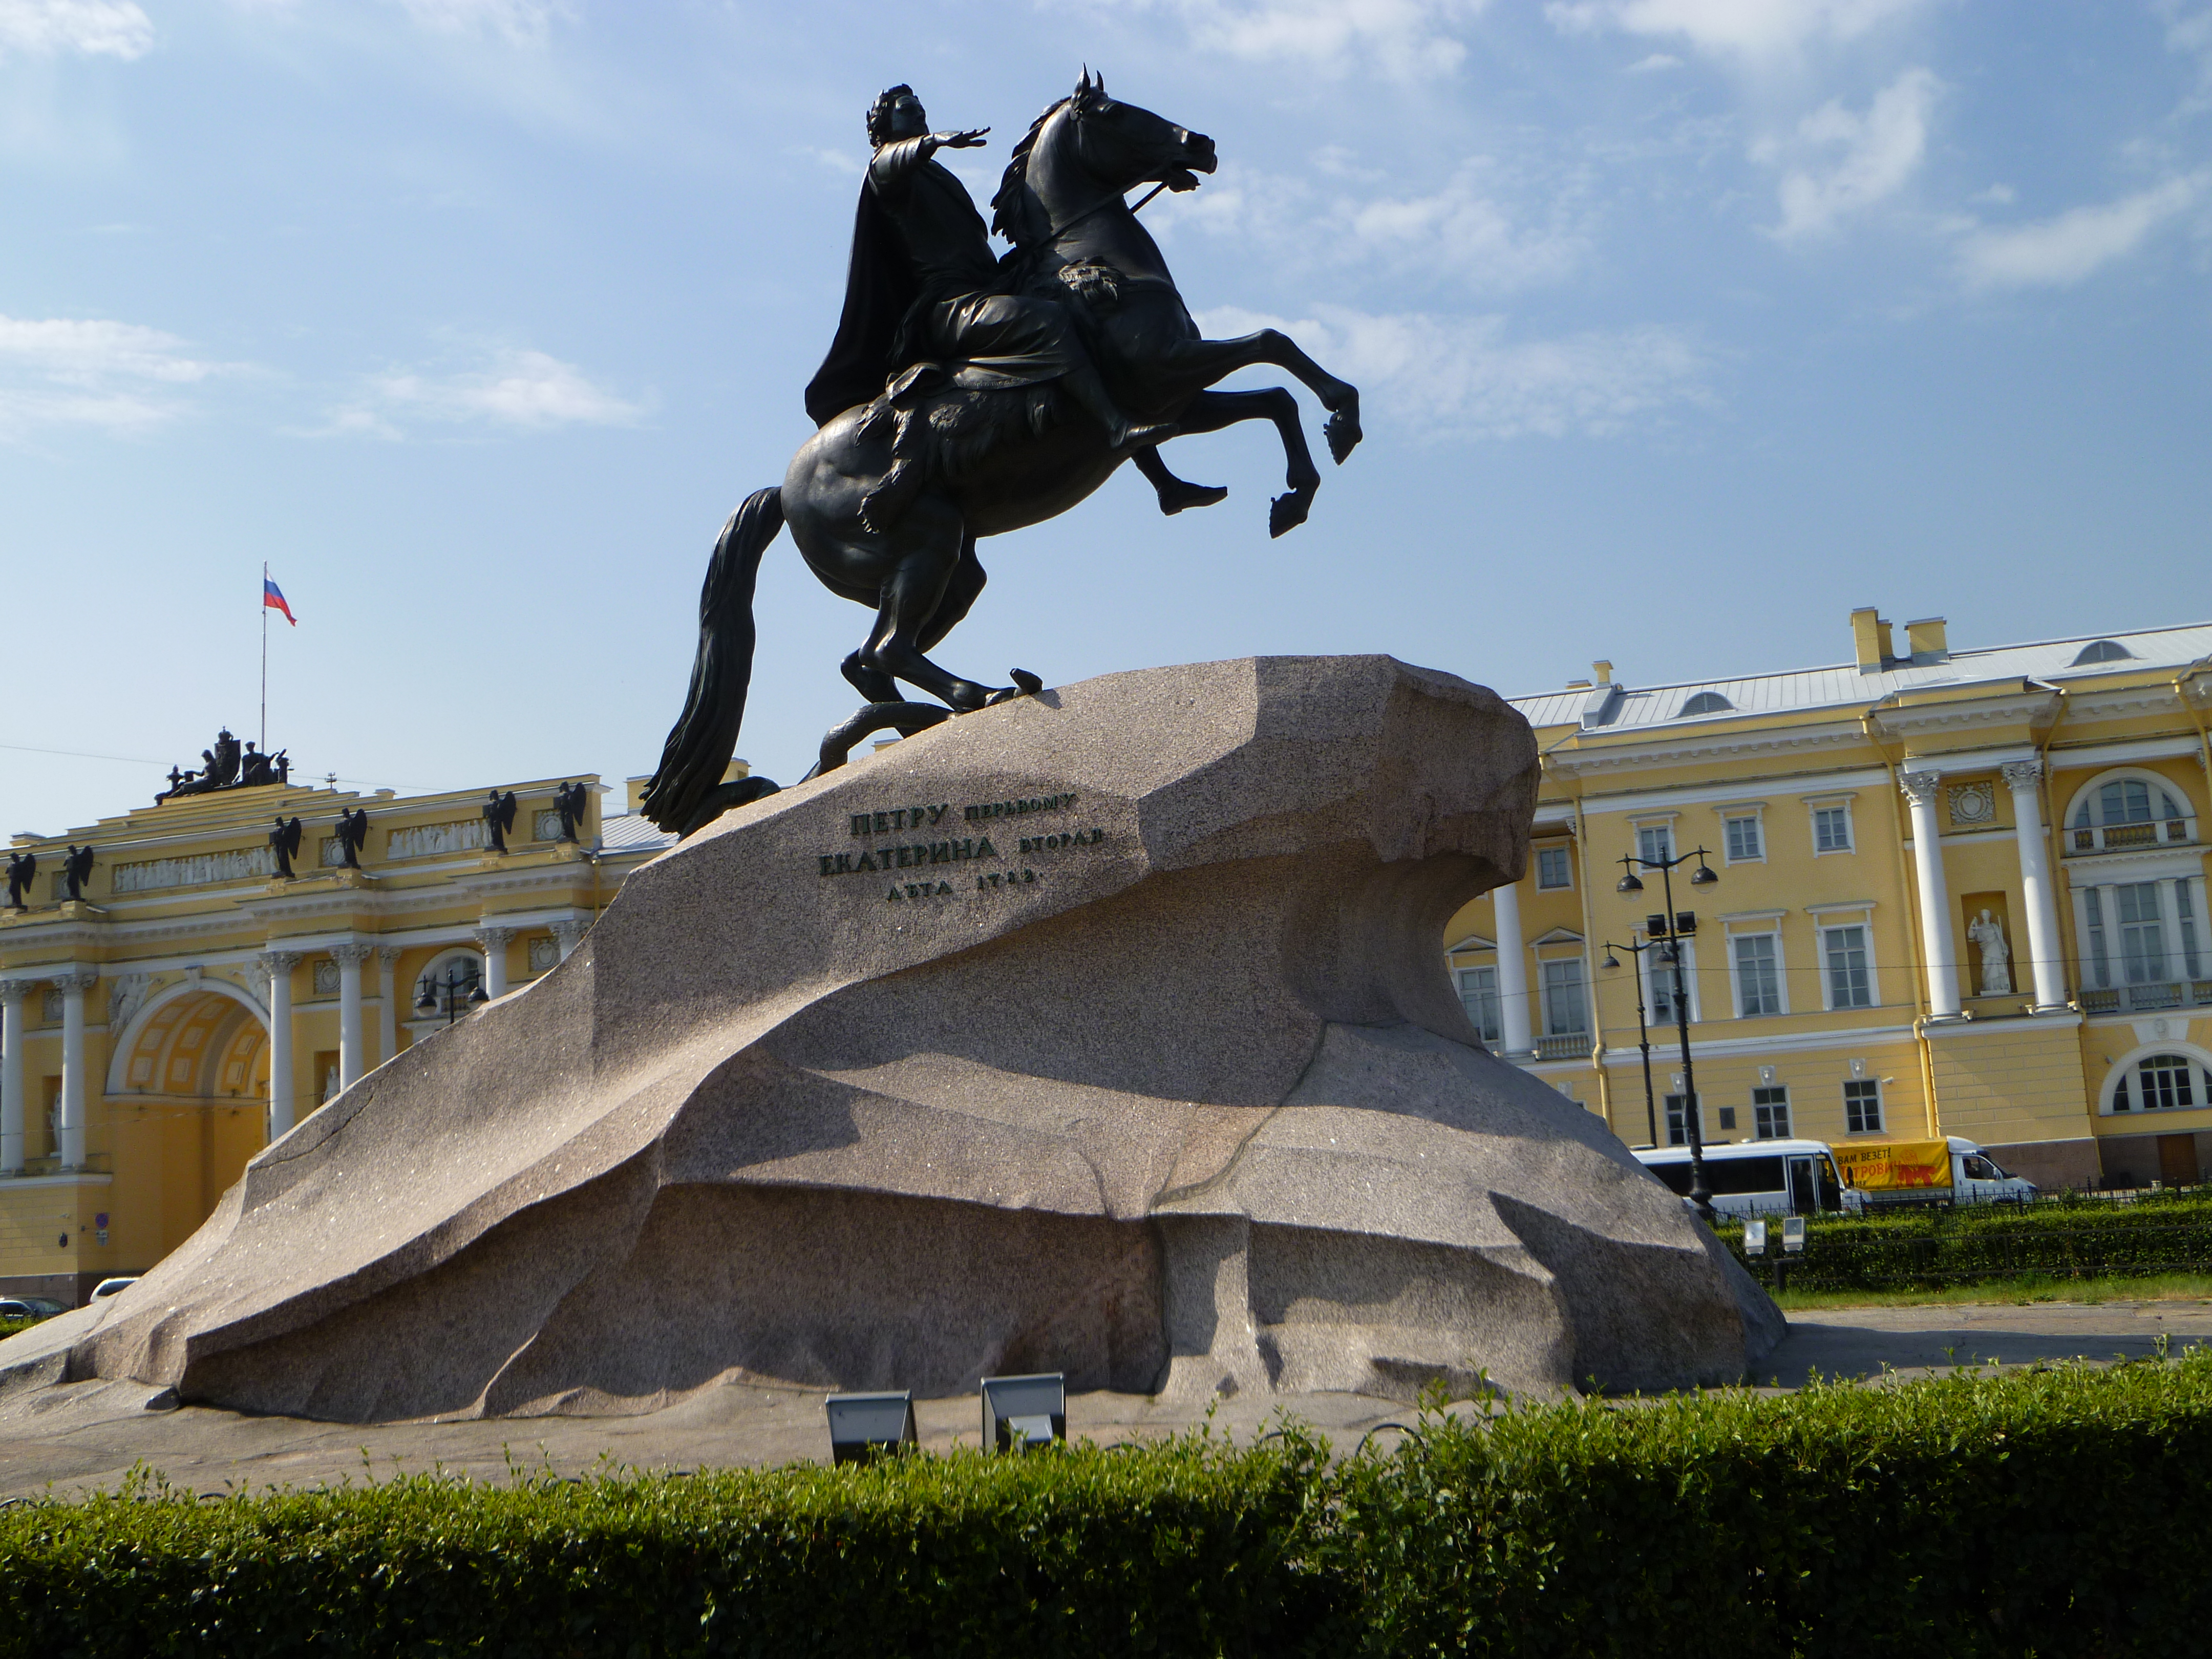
[
  {"x": 1405, "y": 39},
  {"x": 1880, "y": 150},
  {"x": 523, "y": 22},
  {"x": 1654, "y": 63},
  {"x": 59, "y": 372},
  {"x": 1464, "y": 377},
  {"x": 1465, "y": 232},
  {"x": 100, "y": 28},
  {"x": 1742, "y": 29},
  {"x": 517, "y": 388},
  {"x": 2061, "y": 251}
]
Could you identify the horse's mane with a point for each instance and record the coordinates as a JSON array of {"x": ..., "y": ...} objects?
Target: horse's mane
[{"x": 1007, "y": 207}]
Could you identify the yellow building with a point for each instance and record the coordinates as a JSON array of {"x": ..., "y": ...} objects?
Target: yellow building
[
  {"x": 1958, "y": 892},
  {"x": 159, "y": 1030}
]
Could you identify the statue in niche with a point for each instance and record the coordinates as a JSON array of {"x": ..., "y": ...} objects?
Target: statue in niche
[
  {"x": 22, "y": 868},
  {"x": 76, "y": 870},
  {"x": 499, "y": 818},
  {"x": 284, "y": 841},
  {"x": 568, "y": 803},
  {"x": 1988, "y": 935},
  {"x": 353, "y": 836},
  {"x": 966, "y": 396}
]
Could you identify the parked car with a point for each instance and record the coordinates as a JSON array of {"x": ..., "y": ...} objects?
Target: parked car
[
  {"x": 29, "y": 1307},
  {"x": 108, "y": 1287},
  {"x": 1758, "y": 1177}
]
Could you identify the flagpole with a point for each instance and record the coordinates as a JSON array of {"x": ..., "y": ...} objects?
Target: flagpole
[{"x": 264, "y": 656}]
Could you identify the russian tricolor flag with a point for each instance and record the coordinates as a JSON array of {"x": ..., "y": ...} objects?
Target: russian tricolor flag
[{"x": 272, "y": 598}]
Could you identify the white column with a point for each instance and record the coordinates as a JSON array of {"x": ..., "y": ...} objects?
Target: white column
[
  {"x": 1512, "y": 972},
  {"x": 568, "y": 934},
  {"x": 2046, "y": 961},
  {"x": 73, "y": 986},
  {"x": 349, "y": 958},
  {"x": 493, "y": 940},
  {"x": 278, "y": 965},
  {"x": 12, "y": 993},
  {"x": 388, "y": 1009},
  {"x": 1937, "y": 950}
]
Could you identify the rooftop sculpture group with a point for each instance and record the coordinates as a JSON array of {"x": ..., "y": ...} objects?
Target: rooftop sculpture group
[
  {"x": 968, "y": 394},
  {"x": 225, "y": 767}
]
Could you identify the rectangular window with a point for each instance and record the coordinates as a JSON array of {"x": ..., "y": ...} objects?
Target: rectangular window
[
  {"x": 2187, "y": 913},
  {"x": 1678, "y": 1129},
  {"x": 1659, "y": 976},
  {"x": 1552, "y": 868},
  {"x": 2143, "y": 948},
  {"x": 1758, "y": 976},
  {"x": 1477, "y": 994},
  {"x": 1831, "y": 829},
  {"x": 1563, "y": 999},
  {"x": 1769, "y": 1113},
  {"x": 1850, "y": 986},
  {"x": 1743, "y": 841},
  {"x": 1863, "y": 1107},
  {"x": 2099, "y": 963},
  {"x": 1654, "y": 843}
]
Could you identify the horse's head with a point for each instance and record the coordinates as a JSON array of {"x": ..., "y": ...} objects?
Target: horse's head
[{"x": 1123, "y": 146}]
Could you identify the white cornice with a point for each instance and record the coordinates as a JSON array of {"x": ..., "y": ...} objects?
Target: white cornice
[
  {"x": 2151, "y": 864},
  {"x": 1677, "y": 748},
  {"x": 2095, "y": 756}
]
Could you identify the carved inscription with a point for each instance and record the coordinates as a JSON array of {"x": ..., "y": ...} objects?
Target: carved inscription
[{"x": 936, "y": 857}]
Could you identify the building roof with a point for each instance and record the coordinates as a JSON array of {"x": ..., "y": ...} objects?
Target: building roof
[
  {"x": 632, "y": 832},
  {"x": 1845, "y": 686}
]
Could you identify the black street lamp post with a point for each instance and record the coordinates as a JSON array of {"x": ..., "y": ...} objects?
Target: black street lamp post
[
  {"x": 454, "y": 983},
  {"x": 1643, "y": 1031},
  {"x": 1667, "y": 931}
]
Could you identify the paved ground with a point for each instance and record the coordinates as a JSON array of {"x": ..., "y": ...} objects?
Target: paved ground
[{"x": 87, "y": 1436}]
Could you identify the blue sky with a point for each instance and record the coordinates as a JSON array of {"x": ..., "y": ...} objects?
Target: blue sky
[{"x": 1684, "y": 326}]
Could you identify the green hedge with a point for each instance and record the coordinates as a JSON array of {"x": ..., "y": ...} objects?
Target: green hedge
[
  {"x": 2056, "y": 1512},
  {"x": 1923, "y": 1250}
]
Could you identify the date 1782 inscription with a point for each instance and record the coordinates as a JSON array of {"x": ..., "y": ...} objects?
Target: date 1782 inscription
[{"x": 937, "y": 856}]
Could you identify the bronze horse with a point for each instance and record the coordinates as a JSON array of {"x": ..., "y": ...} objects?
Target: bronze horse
[{"x": 1007, "y": 459}]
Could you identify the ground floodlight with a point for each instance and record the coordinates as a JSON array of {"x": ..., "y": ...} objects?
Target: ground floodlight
[
  {"x": 867, "y": 1426},
  {"x": 1793, "y": 1235},
  {"x": 1021, "y": 1413},
  {"x": 1754, "y": 1238}
]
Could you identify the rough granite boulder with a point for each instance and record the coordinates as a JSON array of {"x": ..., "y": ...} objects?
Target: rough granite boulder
[{"x": 1103, "y": 1031}]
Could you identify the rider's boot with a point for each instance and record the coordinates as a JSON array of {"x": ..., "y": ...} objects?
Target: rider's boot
[
  {"x": 1176, "y": 494},
  {"x": 1122, "y": 435}
]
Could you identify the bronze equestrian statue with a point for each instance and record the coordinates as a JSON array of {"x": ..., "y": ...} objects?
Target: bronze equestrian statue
[{"x": 966, "y": 396}]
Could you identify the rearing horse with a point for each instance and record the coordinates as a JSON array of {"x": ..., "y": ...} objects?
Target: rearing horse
[{"x": 1008, "y": 459}]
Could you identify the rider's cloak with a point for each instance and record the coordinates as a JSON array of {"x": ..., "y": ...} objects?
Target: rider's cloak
[{"x": 880, "y": 286}]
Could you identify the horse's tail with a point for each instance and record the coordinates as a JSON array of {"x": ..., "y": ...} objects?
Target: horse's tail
[{"x": 705, "y": 736}]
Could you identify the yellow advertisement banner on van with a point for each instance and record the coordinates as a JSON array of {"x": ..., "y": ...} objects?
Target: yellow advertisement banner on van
[{"x": 1895, "y": 1165}]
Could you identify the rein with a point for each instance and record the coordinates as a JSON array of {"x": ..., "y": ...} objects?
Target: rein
[{"x": 1063, "y": 227}]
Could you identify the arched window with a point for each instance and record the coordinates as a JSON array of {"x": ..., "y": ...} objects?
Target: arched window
[
  {"x": 2102, "y": 651},
  {"x": 1707, "y": 702},
  {"x": 2161, "y": 1082},
  {"x": 2126, "y": 810}
]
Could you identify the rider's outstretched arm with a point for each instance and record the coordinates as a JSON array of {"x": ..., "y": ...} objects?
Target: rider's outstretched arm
[{"x": 895, "y": 161}]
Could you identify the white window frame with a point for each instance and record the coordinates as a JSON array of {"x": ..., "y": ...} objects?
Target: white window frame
[
  {"x": 1566, "y": 852},
  {"x": 1638, "y": 827},
  {"x": 1544, "y": 995},
  {"x": 1756, "y": 811},
  {"x": 1747, "y": 931},
  {"x": 1650, "y": 967},
  {"x": 2103, "y": 964},
  {"x": 1788, "y": 1107},
  {"x": 2124, "y": 1067},
  {"x": 2090, "y": 794},
  {"x": 1826, "y": 918},
  {"x": 1667, "y": 1116},
  {"x": 1496, "y": 997},
  {"x": 1880, "y": 1106},
  {"x": 1814, "y": 805}
]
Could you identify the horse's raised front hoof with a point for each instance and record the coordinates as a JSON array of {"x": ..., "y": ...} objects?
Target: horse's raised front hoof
[
  {"x": 1343, "y": 431},
  {"x": 1288, "y": 512},
  {"x": 1176, "y": 496}
]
